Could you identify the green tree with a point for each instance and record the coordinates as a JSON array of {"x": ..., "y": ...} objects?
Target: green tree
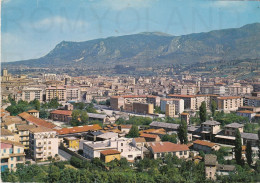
[
  {"x": 53, "y": 174},
  {"x": 203, "y": 112},
  {"x": 183, "y": 132},
  {"x": 75, "y": 117},
  {"x": 84, "y": 117},
  {"x": 258, "y": 144},
  {"x": 170, "y": 138},
  {"x": 36, "y": 103},
  {"x": 238, "y": 148},
  {"x": 249, "y": 153},
  {"x": 134, "y": 132},
  {"x": 213, "y": 107}
]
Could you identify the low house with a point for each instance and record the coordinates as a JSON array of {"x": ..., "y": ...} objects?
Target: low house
[
  {"x": 209, "y": 129},
  {"x": 139, "y": 142},
  {"x": 250, "y": 137},
  {"x": 61, "y": 115},
  {"x": 125, "y": 128},
  {"x": 34, "y": 112},
  {"x": 124, "y": 145},
  {"x": 72, "y": 143},
  {"x": 248, "y": 114},
  {"x": 8, "y": 135},
  {"x": 12, "y": 153},
  {"x": 92, "y": 136},
  {"x": 161, "y": 149},
  {"x": 205, "y": 146},
  {"x": 231, "y": 129},
  {"x": 109, "y": 155},
  {"x": 210, "y": 166},
  {"x": 108, "y": 136},
  {"x": 150, "y": 137},
  {"x": 225, "y": 169}
]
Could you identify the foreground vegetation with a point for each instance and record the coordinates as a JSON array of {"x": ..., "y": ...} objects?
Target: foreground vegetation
[{"x": 171, "y": 169}]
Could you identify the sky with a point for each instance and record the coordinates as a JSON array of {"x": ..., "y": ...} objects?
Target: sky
[{"x": 32, "y": 28}]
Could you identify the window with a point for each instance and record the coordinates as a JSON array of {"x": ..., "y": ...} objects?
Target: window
[
  {"x": 49, "y": 148},
  {"x": 18, "y": 150},
  {"x": 18, "y": 158},
  {"x": 158, "y": 155},
  {"x": 121, "y": 144},
  {"x": 10, "y": 151},
  {"x": 12, "y": 165},
  {"x": 121, "y": 150},
  {"x": 12, "y": 158},
  {"x": 185, "y": 152},
  {"x": 180, "y": 152},
  {"x": 49, "y": 142},
  {"x": 4, "y": 150}
]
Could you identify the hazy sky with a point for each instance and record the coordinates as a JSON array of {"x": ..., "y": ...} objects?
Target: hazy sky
[{"x": 31, "y": 28}]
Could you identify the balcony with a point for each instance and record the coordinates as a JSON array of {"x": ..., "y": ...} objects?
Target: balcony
[
  {"x": 39, "y": 145},
  {"x": 39, "y": 151}
]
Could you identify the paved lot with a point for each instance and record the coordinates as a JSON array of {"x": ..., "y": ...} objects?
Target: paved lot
[{"x": 64, "y": 155}]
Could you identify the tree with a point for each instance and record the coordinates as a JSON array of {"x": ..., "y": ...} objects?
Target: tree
[
  {"x": 249, "y": 153},
  {"x": 238, "y": 148},
  {"x": 213, "y": 107},
  {"x": 53, "y": 174},
  {"x": 203, "y": 112},
  {"x": 75, "y": 117},
  {"x": 36, "y": 103},
  {"x": 170, "y": 138},
  {"x": 84, "y": 116},
  {"x": 134, "y": 132},
  {"x": 258, "y": 144},
  {"x": 183, "y": 132}
]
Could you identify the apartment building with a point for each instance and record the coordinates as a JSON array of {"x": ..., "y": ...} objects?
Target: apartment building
[
  {"x": 43, "y": 143},
  {"x": 189, "y": 100},
  {"x": 125, "y": 101},
  {"x": 56, "y": 92},
  {"x": 29, "y": 94},
  {"x": 231, "y": 103},
  {"x": 23, "y": 132},
  {"x": 170, "y": 110},
  {"x": 12, "y": 153},
  {"x": 73, "y": 93},
  {"x": 178, "y": 103},
  {"x": 252, "y": 101},
  {"x": 161, "y": 149},
  {"x": 143, "y": 108}
]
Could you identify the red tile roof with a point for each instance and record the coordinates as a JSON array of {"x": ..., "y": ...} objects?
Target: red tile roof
[
  {"x": 36, "y": 121},
  {"x": 229, "y": 97},
  {"x": 146, "y": 135},
  {"x": 63, "y": 112},
  {"x": 204, "y": 143},
  {"x": 182, "y": 96},
  {"x": 159, "y": 147},
  {"x": 79, "y": 129},
  {"x": 110, "y": 152}
]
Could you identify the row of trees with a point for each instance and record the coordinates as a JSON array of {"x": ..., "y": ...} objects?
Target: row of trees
[{"x": 169, "y": 169}]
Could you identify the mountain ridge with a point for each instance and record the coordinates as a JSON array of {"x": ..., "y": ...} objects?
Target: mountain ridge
[{"x": 153, "y": 48}]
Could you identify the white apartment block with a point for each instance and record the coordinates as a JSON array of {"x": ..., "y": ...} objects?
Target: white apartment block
[
  {"x": 29, "y": 94},
  {"x": 56, "y": 92},
  {"x": 43, "y": 143},
  {"x": 229, "y": 103},
  {"x": 179, "y": 104},
  {"x": 124, "y": 145},
  {"x": 73, "y": 93}
]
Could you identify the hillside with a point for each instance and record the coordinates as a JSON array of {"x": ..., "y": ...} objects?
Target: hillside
[{"x": 153, "y": 48}]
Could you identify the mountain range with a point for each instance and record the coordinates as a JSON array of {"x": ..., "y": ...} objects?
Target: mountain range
[{"x": 154, "y": 48}]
